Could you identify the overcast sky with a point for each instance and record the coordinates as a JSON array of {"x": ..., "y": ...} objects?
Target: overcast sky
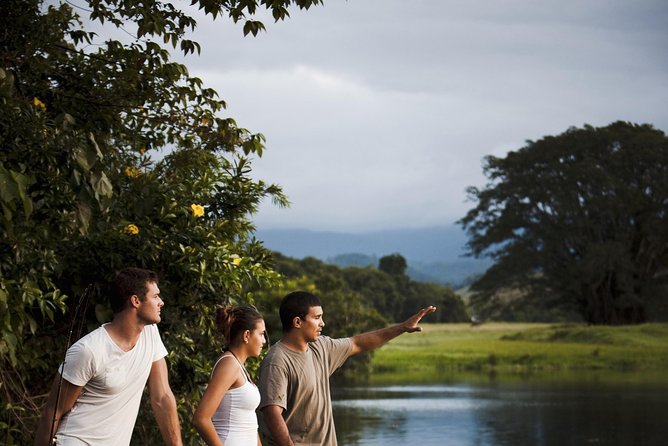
[{"x": 378, "y": 113}]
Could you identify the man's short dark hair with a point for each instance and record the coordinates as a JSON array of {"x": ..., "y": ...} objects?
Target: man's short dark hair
[
  {"x": 296, "y": 304},
  {"x": 127, "y": 283}
]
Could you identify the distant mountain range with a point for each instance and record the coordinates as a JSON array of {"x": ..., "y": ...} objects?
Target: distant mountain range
[{"x": 433, "y": 254}]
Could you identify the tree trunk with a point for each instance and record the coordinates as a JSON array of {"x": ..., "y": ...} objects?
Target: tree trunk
[{"x": 606, "y": 305}]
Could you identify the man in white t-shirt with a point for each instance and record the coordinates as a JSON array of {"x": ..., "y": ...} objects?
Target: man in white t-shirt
[{"x": 105, "y": 372}]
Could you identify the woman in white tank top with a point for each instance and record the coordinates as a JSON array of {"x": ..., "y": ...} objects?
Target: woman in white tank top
[{"x": 226, "y": 414}]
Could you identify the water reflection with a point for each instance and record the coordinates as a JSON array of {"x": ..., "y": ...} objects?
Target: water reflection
[{"x": 502, "y": 414}]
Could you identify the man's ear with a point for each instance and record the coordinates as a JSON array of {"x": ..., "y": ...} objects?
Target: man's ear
[
  {"x": 134, "y": 300},
  {"x": 296, "y": 322}
]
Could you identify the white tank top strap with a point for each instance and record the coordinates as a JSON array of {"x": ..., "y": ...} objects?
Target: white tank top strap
[
  {"x": 225, "y": 354},
  {"x": 229, "y": 354}
]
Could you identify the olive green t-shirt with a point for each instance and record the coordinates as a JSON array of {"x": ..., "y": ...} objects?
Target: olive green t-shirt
[{"x": 298, "y": 382}]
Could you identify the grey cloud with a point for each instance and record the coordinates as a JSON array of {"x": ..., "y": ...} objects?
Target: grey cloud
[{"x": 378, "y": 112}]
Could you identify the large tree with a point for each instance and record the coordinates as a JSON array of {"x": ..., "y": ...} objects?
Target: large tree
[
  {"x": 111, "y": 155},
  {"x": 577, "y": 221}
]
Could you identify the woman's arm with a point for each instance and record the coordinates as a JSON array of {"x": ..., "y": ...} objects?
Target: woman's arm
[{"x": 225, "y": 374}]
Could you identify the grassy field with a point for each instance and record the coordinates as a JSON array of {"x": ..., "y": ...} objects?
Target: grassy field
[{"x": 515, "y": 351}]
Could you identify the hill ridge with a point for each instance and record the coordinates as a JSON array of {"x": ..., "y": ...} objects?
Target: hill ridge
[{"x": 434, "y": 254}]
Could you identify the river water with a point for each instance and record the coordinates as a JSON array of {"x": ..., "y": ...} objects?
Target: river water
[{"x": 498, "y": 413}]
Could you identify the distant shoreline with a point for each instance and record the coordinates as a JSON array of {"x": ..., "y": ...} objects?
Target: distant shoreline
[{"x": 513, "y": 351}]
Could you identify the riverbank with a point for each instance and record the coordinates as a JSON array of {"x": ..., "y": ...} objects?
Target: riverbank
[{"x": 514, "y": 351}]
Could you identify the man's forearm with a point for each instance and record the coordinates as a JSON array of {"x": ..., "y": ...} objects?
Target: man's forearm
[
  {"x": 66, "y": 394},
  {"x": 374, "y": 339},
  {"x": 46, "y": 427},
  {"x": 166, "y": 415},
  {"x": 276, "y": 425}
]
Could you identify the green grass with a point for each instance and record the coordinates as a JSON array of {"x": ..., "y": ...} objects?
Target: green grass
[{"x": 511, "y": 351}]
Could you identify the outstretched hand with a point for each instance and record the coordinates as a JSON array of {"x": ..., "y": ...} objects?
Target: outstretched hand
[
  {"x": 412, "y": 322},
  {"x": 374, "y": 339}
]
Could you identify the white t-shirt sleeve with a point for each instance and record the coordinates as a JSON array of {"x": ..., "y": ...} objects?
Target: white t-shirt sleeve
[
  {"x": 159, "y": 348},
  {"x": 79, "y": 365}
]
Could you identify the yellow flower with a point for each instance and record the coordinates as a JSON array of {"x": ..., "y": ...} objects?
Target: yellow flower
[
  {"x": 132, "y": 172},
  {"x": 198, "y": 210},
  {"x": 39, "y": 104},
  {"x": 131, "y": 229},
  {"x": 236, "y": 261}
]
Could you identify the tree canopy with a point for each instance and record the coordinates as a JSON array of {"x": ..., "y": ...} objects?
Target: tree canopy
[
  {"x": 577, "y": 221},
  {"x": 393, "y": 264}
]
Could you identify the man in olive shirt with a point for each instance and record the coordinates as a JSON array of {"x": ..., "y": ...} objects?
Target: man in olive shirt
[{"x": 296, "y": 404}]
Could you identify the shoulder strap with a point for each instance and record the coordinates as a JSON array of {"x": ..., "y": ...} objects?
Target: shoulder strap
[{"x": 229, "y": 354}]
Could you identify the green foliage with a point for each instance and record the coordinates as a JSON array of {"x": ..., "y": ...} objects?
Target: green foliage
[
  {"x": 393, "y": 264},
  {"x": 379, "y": 289},
  {"x": 398, "y": 297},
  {"x": 576, "y": 222},
  {"x": 112, "y": 155},
  {"x": 395, "y": 297}
]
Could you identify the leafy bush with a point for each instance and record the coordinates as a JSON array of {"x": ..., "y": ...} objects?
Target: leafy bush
[{"x": 111, "y": 155}]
